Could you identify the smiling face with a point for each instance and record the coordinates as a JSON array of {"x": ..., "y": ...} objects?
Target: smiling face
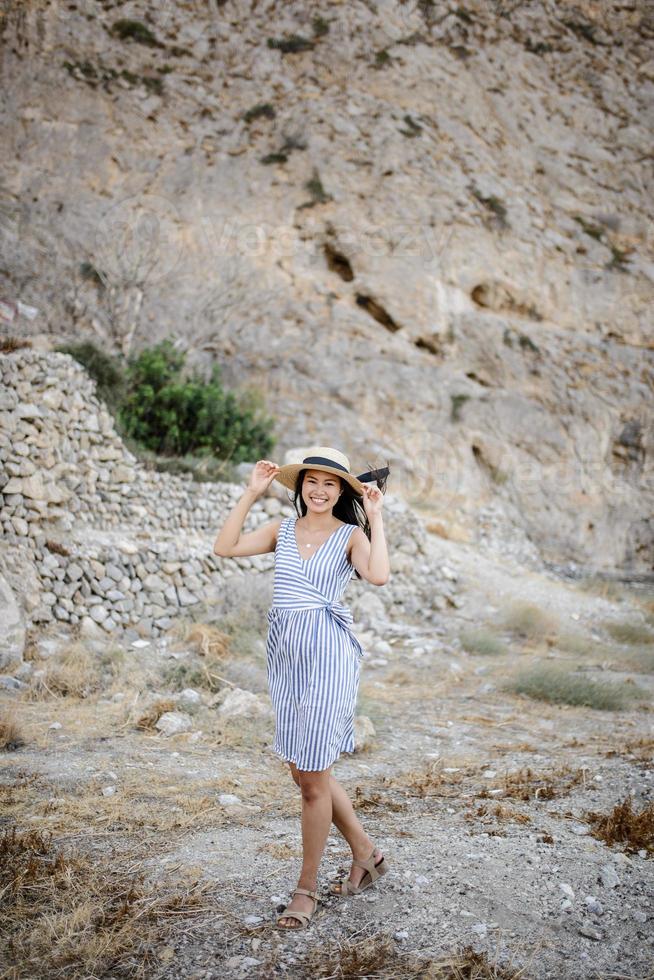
[{"x": 320, "y": 491}]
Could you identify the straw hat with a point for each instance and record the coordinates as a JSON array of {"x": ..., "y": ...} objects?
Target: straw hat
[{"x": 321, "y": 458}]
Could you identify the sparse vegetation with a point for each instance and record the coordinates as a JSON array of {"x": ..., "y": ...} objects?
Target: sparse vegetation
[
  {"x": 619, "y": 259},
  {"x": 74, "y": 673},
  {"x": 262, "y": 110},
  {"x": 292, "y": 44},
  {"x": 412, "y": 127},
  {"x": 457, "y": 403},
  {"x": 11, "y": 732},
  {"x": 594, "y": 231},
  {"x": 316, "y": 190},
  {"x": 558, "y": 686},
  {"x": 528, "y": 784},
  {"x": 148, "y": 719},
  {"x": 319, "y": 26},
  {"x": 9, "y": 344},
  {"x": 528, "y": 621},
  {"x": 482, "y": 642},
  {"x": 493, "y": 204},
  {"x": 630, "y": 632},
  {"x": 71, "y": 913},
  {"x": 134, "y": 30},
  {"x": 624, "y": 826},
  {"x": 378, "y": 956}
]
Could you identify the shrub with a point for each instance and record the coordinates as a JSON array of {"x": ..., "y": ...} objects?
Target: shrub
[
  {"x": 528, "y": 621},
  {"x": 482, "y": 642},
  {"x": 127, "y": 29},
  {"x": 291, "y": 45},
  {"x": 174, "y": 416},
  {"x": 625, "y": 632},
  {"x": 624, "y": 826},
  {"x": 544, "y": 683},
  {"x": 262, "y": 109}
]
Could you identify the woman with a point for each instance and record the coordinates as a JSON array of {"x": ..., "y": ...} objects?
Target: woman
[{"x": 312, "y": 654}]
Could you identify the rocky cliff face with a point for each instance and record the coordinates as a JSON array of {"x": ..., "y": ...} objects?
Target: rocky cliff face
[{"x": 422, "y": 230}]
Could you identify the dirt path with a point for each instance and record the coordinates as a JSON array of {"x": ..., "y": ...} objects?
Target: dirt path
[{"x": 479, "y": 798}]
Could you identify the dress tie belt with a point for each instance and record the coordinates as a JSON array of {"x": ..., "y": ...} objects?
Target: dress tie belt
[{"x": 337, "y": 610}]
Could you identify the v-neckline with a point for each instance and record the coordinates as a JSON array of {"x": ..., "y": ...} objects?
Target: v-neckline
[{"x": 297, "y": 550}]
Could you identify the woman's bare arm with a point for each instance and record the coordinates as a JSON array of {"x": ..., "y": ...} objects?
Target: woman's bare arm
[
  {"x": 231, "y": 542},
  {"x": 370, "y": 558}
]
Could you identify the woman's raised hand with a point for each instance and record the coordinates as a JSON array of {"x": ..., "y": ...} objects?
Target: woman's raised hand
[
  {"x": 262, "y": 475},
  {"x": 373, "y": 499}
]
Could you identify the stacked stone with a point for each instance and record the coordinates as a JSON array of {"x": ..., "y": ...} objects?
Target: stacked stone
[{"x": 114, "y": 544}]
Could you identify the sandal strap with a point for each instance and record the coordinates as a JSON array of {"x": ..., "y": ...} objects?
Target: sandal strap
[
  {"x": 302, "y": 917},
  {"x": 369, "y": 866},
  {"x": 305, "y": 891},
  {"x": 347, "y": 888}
]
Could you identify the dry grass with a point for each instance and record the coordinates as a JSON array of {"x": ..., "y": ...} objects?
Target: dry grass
[
  {"x": 237, "y": 733},
  {"x": 529, "y": 622},
  {"x": 499, "y": 812},
  {"x": 10, "y": 344},
  {"x": 558, "y": 686},
  {"x": 640, "y": 661},
  {"x": 73, "y": 914},
  {"x": 640, "y": 750},
  {"x": 76, "y": 673},
  {"x": 181, "y": 674},
  {"x": 11, "y": 732},
  {"x": 630, "y": 632},
  {"x": 377, "y": 957},
  {"x": 207, "y": 640},
  {"x": 527, "y": 784},
  {"x": 624, "y": 826},
  {"x": 159, "y": 803},
  {"x": 482, "y": 642},
  {"x": 148, "y": 720},
  {"x": 433, "y": 781}
]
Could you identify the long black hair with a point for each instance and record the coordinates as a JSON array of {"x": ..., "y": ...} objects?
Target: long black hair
[{"x": 349, "y": 506}]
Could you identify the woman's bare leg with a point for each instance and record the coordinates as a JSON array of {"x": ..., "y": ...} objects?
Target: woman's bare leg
[
  {"x": 316, "y": 821},
  {"x": 346, "y": 821}
]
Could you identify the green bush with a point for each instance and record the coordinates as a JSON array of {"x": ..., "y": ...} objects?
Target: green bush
[
  {"x": 627, "y": 632},
  {"x": 545, "y": 683},
  {"x": 174, "y": 416},
  {"x": 165, "y": 413},
  {"x": 483, "y": 642},
  {"x": 134, "y": 30}
]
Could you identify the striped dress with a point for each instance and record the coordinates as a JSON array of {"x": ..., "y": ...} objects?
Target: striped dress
[{"x": 312, "y": 655}]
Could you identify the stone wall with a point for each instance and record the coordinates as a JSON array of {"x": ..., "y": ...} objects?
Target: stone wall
[{"x": 92, "y": 537}]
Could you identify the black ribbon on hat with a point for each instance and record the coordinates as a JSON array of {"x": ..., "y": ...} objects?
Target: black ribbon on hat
[
  {"x": 373, "y": 475},
  {"x": 369, "y": 477}
]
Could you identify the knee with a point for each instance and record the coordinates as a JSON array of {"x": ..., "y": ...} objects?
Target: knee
[{"x": 312, "y": 789}]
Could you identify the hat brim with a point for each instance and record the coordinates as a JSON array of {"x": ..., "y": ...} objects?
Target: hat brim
[{"x": 288, "y": 475}]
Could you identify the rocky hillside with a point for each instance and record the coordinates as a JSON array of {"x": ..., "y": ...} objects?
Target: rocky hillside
[{"x": 420, "y": 229}]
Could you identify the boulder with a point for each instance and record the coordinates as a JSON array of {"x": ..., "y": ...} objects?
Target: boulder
[{"x": 12, "y": 626}]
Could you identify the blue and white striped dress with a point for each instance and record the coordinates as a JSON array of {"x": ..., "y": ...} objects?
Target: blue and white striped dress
[{"x": 312, "y": 654}]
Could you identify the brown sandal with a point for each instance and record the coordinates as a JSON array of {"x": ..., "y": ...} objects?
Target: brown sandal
[
  {"x": 373, "y": 871},
  {"x": 302, "y": 917}
]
